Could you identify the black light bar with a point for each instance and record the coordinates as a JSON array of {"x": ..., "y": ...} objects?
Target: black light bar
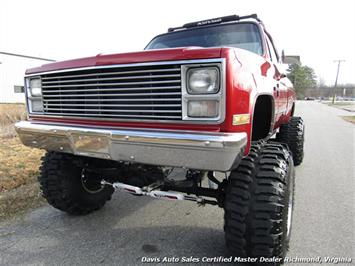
[{"x": 214, "y": 21}]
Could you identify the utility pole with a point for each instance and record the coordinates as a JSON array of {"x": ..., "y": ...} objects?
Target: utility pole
[{"x": 336, "y": 79}]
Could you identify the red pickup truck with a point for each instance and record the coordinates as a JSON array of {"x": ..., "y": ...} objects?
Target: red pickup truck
[{"x": 209, "y": 97}]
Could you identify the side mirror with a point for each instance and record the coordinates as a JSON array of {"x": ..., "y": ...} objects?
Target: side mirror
[{"x": 279, "y": 74}]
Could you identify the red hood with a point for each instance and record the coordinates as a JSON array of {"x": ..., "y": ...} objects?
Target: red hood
[{"x": 135, "y": 57}]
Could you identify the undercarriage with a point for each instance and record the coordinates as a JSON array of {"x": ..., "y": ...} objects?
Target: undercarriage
[{"x": 202, "y": 187}]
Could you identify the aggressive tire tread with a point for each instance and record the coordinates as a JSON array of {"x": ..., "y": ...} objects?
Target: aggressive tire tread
[
  {"x": 292, "y": 134},
  {"x": 61, "y": 186},
  {"x": 255, "y": 202}
]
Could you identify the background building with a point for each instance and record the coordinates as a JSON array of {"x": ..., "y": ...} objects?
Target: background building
[
  {"x": 12, "y": 71},
  {"x": 291, "y": 59}
]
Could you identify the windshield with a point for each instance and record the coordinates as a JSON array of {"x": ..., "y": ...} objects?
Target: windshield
[{"x": 241, "y": 35}]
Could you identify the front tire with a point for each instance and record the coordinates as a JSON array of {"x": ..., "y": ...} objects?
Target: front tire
[
  {"x": 259, "y": 203},
  {"x": 67, "y": 187},
  {"x": 292, "y": 134}
]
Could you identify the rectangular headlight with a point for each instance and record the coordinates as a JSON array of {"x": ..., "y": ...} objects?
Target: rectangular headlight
[
  {"x": 34, "y": 94},
  {"x": 203, "y": 91},
  {"x": 203, "y": 80},
  {"x": 203, "y": 108},
  {"x": 36, "y": 105},
  {"x": 35, "y": 87}
]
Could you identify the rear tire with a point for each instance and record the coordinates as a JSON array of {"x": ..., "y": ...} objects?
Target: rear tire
[
  {"x": 292, "y": 134},
  {"x": 259, "y": 203},
  {"x": 66, "y": 187}
]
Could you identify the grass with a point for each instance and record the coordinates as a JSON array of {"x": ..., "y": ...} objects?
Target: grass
[
  {"x": 12, "y": 112},
  {"x": 19, "y": 165},
  {"x": 349, "y": 118},
  {"x": 9, "y": 114}
]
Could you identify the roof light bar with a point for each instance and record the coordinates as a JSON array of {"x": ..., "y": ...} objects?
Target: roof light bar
[{"x": 214, "y": 21}]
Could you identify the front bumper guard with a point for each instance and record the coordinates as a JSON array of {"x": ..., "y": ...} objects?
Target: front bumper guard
[{"x": 194, "y": 150}]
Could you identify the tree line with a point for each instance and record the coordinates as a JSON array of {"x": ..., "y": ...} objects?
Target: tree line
[{"x": 305, "y": 84}]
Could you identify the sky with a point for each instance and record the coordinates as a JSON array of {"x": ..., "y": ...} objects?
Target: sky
[{"x": 319, "y": 31}]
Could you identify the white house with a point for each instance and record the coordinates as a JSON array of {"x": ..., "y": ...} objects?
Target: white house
[{"x": 12, "y": 71}]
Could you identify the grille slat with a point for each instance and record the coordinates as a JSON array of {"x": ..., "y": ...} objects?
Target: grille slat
[
  {"x": 115, "y": 78},
  {"x": 130, "y": 93},
  {"x": 64, "y": 76},
  {"x": 114, "y": 110},
  {"x": 112, "y": 94},
  {"x": 117, "y": 89},
  {"x": 116, "y": 105},
  {"x": 135, "y": 116},
  {"x": 112, "y": 84},
  {"x": 117, "y": 100}
]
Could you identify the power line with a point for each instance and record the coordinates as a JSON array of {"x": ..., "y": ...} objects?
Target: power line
[
  {"x": 336, "y": 79},
  {"x": 28, "y": 56}
]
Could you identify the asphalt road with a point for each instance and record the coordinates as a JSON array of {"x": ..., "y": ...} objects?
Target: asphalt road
[{"x": 130, "y": 228}]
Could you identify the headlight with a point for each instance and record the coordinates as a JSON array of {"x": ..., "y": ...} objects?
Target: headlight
[
  {"x": 34, "y": 94},
  {"x": 203, "y": 108},
  {"x": 203, "y": 91},
  {"x": 203, "y": 80},
  {"x": 35, "y": 87},
  {"x": 36, "y": 105}
]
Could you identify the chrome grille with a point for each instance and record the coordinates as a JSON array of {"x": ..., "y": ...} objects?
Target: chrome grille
[{"x": 137, "y": 92}]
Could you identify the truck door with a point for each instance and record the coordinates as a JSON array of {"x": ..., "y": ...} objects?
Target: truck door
[{"x": 280, "y": 88}]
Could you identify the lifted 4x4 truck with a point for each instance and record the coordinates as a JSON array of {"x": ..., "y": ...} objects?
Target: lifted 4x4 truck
[{"x": 209, "y": 97}]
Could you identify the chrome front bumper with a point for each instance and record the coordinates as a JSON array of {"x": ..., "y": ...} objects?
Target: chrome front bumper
[{"x": 194, "y": 150}]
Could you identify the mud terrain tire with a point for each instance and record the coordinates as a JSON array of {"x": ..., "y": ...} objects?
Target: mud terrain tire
[
  {"x": 62, "y": 184},
  {"x": 259, "y": 203},
  {"x": 292, "y": 134}
]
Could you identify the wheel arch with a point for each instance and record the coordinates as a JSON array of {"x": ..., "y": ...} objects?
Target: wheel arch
[
  {"x": 293, "y": 108},
  {"x": 263, "y": 116}
]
